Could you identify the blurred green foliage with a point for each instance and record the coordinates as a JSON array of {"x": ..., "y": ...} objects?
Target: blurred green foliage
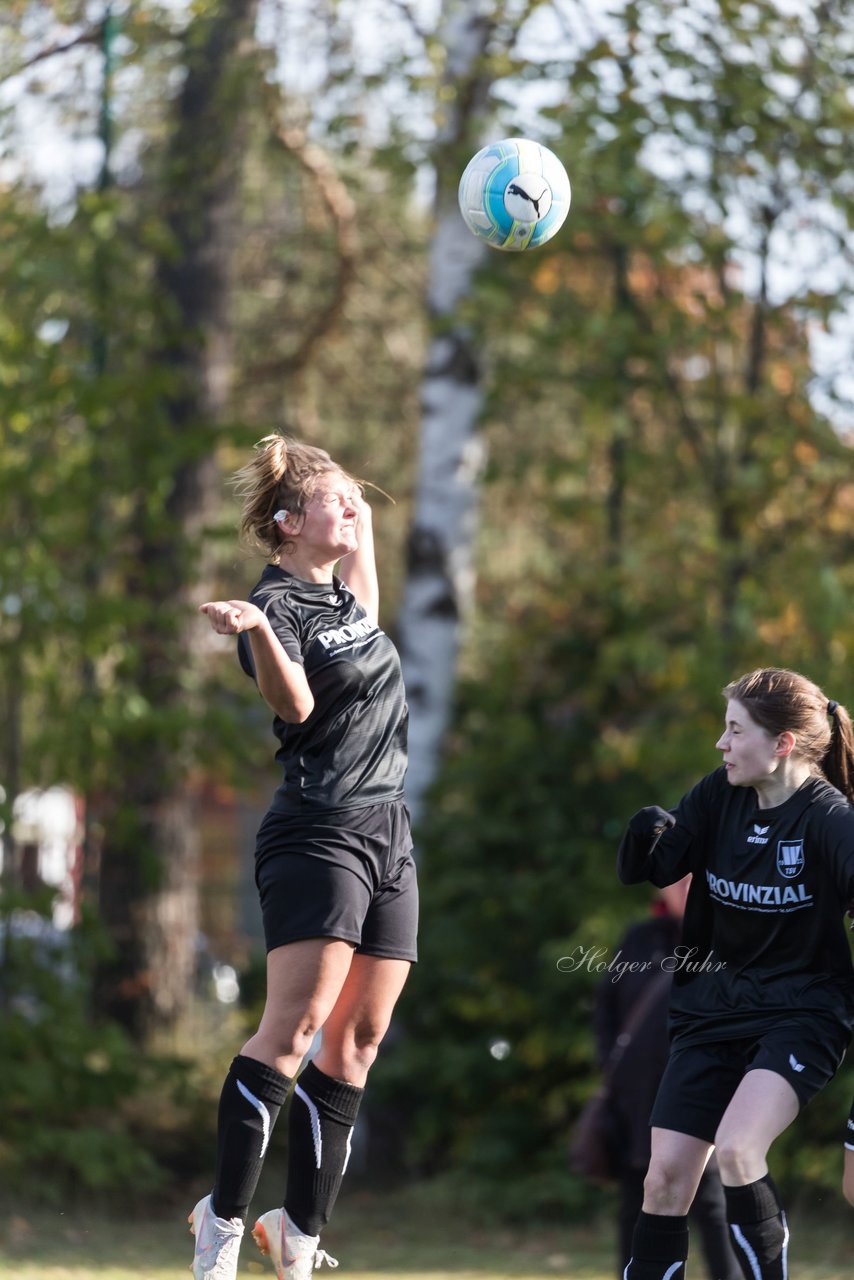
[{"x": 84, "y": 1113}]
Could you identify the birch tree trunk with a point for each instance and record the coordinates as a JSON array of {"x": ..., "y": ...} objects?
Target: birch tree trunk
[{"x": 440, "y": 560}]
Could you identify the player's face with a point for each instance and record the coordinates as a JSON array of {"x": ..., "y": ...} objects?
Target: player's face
[
  {"x": 750, "y": 752},
  {"x": 331, "y": 516}
]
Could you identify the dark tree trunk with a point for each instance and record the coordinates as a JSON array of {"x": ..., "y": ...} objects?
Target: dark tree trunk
[{"x": 149, "y": 867}]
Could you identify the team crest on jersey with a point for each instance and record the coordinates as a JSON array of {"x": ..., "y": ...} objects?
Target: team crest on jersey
[{"x": 790, "y": 858}]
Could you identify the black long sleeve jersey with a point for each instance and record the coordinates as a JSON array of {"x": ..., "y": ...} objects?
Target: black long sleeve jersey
[
  {"x": 764, "y": 937},
  {"x": 351, "y": 751}
]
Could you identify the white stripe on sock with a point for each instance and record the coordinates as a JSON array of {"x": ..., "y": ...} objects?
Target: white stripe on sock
[
  {"x": 347, "y": 1156},
  {"x": 668, "y": 1275},
  {"x": 262, "y": 1111},
  {"x": 315, "y": 1124},
  {"x": 785, "y": 1246},
  {"x": 752, "y": 1260}
]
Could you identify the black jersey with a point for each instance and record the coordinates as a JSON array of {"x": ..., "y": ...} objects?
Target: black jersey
[
  {"x": 351, "y": 751},
  {"x": 764, "y": 936}
]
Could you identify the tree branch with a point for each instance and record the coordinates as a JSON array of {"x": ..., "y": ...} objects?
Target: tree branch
[
  {"x": 412, "y": 22},
  {"x": 92, "y": 36},
  {"x": 342, "y": 211}
]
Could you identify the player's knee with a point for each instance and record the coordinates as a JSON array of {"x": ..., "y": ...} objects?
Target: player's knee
[
  {"x": 360, "y": 1048},
  {"x": 665, "y": 1189},
  {"x": 737, "y": 1158},
  {"x": 291, "y": 1035},
  {"x": 848, "y": 1181}
]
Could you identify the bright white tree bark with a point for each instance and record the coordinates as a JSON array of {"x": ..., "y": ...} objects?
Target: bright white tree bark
[{"x": 440, "y": 571}]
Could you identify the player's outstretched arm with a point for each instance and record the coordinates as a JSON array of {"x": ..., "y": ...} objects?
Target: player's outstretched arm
[{"x": 281, "y": 682}]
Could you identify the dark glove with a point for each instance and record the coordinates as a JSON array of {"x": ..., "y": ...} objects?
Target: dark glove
[{"x": 649, "y": 823}]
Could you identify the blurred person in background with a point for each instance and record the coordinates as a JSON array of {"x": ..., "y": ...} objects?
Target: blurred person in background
[{"x": 630, "y": 1020}]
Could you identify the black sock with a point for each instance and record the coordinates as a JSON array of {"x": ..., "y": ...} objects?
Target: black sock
[
  {"x": 322, "y": 1115},
  {"x": 249, "y": 1104},
  {"x": 659, "y": 1248},
  {"x": 758, "y": 1227}
]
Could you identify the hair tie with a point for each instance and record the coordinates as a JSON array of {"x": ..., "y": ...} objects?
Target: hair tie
[{"x": 831, "y": 707}]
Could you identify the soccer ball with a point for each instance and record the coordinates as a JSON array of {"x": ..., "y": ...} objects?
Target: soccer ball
[{"x": 514, "y": 194}]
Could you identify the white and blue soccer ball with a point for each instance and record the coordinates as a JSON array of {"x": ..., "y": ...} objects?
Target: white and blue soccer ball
[{"x": 514, "y": 194}]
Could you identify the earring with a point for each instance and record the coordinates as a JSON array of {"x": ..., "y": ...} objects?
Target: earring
[{"x": 280, "y": 517}]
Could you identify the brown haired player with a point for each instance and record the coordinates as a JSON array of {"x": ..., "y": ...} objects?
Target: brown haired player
[{"x": 763, "y": 992}]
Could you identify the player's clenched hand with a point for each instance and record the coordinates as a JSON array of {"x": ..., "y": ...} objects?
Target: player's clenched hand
[
  {"x": 228, "y": 617},
  {"x": 649, "y": 823}
]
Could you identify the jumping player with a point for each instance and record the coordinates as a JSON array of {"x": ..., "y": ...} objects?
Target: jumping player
[
  {"x": 763, "y": 990},
  {"x": 333, "y": 857}
]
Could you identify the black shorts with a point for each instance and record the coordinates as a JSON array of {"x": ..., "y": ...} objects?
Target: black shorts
[
  {"x": 700, "y": 1079},
  {"x": 339, "y": 873},
  {"x": 849, "y": 1131}
]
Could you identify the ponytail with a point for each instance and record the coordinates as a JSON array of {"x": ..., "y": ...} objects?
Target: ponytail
[{"x": 838, "y": 763}]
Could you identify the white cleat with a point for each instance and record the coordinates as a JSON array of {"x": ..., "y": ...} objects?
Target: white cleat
[
  {"x": 293, "y": 1254},
  {"x": 217, "y": 1243}
]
